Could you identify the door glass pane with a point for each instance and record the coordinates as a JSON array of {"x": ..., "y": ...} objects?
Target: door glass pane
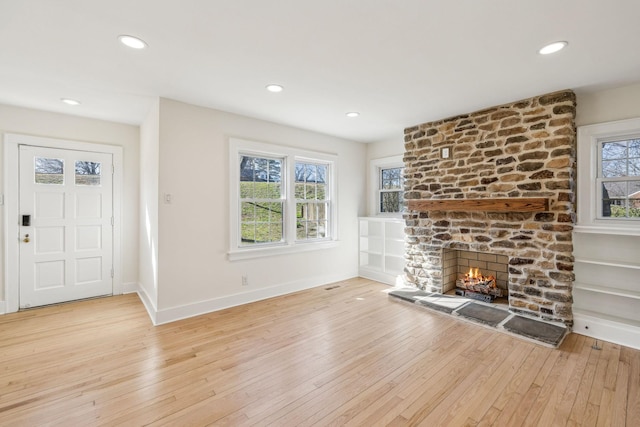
[
  {"x": 49, "y": 171},
  {"x": 87, "y": 173}
]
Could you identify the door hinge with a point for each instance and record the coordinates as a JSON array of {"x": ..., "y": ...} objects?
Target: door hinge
[
  {"x": 112, "y": 272},
  {"x": 112, "y": 222}
]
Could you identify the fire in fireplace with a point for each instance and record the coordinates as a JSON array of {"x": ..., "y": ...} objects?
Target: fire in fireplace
[{"x": 475, "y": 285}]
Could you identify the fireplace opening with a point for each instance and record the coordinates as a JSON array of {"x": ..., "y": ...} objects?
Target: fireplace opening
[{"x": 476, "y": 275}]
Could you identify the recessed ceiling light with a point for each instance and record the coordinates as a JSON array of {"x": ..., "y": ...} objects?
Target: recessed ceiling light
[
  {"x": 352, "y": 114},
  {"x": 132, "y": 42},
  {"x": 70, "y": 101},
  {"x": 552, "y": 48},
  {"x": 275, "y": 88}
]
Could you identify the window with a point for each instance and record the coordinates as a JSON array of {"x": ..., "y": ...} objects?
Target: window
[
  {"x": 312, "y": 202},
  {"x": 261, "y": 203},
  {"x": 282, "y": 199},
  {"x": 87, "y": 173},
  {"x": 619, "y": 178},
  {"x": 391, "y": 190},
  {"x": 49, "y": 171},
  {"x": 386, "y": 184},
  {"x": 608, "y": 184}
]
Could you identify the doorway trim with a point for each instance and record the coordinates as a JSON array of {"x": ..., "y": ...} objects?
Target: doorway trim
[{"x": 11, "y": 217}]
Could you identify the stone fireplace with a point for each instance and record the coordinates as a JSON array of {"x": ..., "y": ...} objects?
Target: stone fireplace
[{"x": 499, "y": 183}]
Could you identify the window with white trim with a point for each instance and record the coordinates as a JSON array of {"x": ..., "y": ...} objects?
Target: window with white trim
[
  {"x": 261, "y": 201},
  {"x": 618, "y": 179},
  {"x": 608, "y": 183},
  {"x": 312, "y": 201},
  {"x": 386, "y": 184},
  {"x": 280, "y": 198}
]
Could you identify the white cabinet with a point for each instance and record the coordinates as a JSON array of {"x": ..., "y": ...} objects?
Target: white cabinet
[
  {"x": 606, "y": 292},
  {"x": 381, "y": 249}
]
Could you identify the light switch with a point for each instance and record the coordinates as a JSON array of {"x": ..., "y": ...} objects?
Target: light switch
[{"x": 445, "y": 152}]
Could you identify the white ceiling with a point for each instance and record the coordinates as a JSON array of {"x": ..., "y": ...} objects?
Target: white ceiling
[{"x": 397, "y": 62}]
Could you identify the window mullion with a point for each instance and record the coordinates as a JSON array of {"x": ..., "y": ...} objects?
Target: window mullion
[{"x": 290, "y": 201}]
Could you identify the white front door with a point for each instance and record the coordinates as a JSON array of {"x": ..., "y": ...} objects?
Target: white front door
[{"x": 65, "y": 220}]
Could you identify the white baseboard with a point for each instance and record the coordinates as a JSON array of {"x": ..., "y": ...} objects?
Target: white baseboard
[
  {"x": 606, "y": 330},
  {"x": 202, "y": 307},
  {"x": 152, "y": 311},
  {"x": 130, "y": 288},
  {"x": 379, "y": 276},
  {"x": 3, "y": 307}
]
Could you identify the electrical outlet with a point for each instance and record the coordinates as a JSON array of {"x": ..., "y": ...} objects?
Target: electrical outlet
[{"x": 245, "y": 280}]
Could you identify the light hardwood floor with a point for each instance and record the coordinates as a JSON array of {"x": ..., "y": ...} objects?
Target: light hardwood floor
[{"x": 330, "y": 357}]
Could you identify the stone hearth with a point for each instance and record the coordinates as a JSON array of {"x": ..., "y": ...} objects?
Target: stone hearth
[
  {"x": 488, "y": 315},
  {"x": 521, "y": 150}
]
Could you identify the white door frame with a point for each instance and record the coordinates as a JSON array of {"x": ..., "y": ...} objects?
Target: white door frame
[{"x": 11, "y": 217}]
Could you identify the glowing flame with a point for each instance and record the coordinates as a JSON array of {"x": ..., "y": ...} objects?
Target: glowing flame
[{"x": 474, "y": 273}]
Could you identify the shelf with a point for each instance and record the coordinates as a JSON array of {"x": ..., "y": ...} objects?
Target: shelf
[
  {"x": 618, "y": 264},
  {"x": 606, "y": 290},
  {"x": 381, "y": 218},
  {"x": 512, "y": 204},
  {"x": 381, "y": 249},
  {"x": 364, "y": 251},
  {"x": 370, "y": 267},
  {"x": 620, "y": 231},
  {"x": 604, "y": 316}
]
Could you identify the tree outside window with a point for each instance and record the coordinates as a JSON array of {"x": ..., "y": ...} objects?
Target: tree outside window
[
  {"x": 391, "y": 190},
  {"x": 312, "y": 204},
  {"x": 619, "y": 178},
  {"x": 282, "y": 198},
  {"x": 261, "y": 202}
]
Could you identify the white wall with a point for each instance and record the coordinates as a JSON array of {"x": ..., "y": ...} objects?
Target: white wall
[
  {"x": 52, "y": 125},
  {"x": 608, "y": 105},
  {"x": 194, "y": 274},
  {"x": 148, "y": 220}
]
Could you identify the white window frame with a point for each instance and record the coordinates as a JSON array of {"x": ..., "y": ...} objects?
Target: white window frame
[
  {"x": 328, "y": 194},
  {"x": 255, "y": 200},
  {"x": 239, "y": 147},
  {"x": 375, "y": 182},
  {"x": 589, "y": 199}
]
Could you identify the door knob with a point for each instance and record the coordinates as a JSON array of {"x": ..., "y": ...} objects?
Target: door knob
[{"x": 26, "y": 238}]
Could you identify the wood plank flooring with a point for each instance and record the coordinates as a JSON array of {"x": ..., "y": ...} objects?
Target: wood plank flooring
[{"x": 346, "y": 356}]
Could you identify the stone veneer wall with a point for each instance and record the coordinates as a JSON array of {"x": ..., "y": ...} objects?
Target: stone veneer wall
[{"x": 523, "y": 149}]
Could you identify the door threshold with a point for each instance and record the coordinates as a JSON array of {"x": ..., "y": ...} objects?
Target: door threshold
[{"x": 64, "y": 302}]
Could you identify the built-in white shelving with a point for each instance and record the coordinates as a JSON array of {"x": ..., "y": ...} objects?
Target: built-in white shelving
[
  {"x": 606, "y": 292},
  {"x": 381, "y": 249}
]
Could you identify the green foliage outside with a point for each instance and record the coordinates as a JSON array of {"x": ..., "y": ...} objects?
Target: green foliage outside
[
  {"x": 621, "y": 212},
  {"x": 262, "y": 220}
]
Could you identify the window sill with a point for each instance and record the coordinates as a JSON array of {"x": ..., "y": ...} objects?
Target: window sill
[{"x": 251, "y": 253}]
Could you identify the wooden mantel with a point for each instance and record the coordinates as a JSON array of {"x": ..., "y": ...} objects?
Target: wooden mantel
[{"x": 515, "y": 204}]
